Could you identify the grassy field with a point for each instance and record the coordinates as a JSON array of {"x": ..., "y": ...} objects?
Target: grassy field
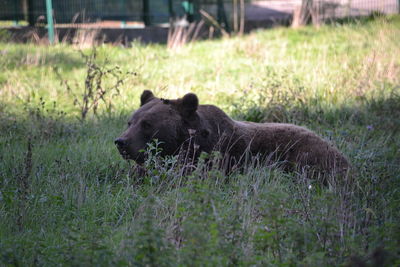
[{"x": 68, "y": 198}]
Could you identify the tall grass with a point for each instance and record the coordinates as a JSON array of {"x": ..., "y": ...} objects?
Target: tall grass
[{"x": 68, "y": 198}]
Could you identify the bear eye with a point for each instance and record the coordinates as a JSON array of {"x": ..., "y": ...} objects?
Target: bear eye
[{"x": 145, "y": 125}]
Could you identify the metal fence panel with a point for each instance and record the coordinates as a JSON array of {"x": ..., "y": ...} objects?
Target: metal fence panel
[
  {"x": 160, "y": 11},
  {"x": 11, "y": 10}
]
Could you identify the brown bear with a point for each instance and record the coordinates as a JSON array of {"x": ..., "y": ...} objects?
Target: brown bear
[{"x": 183, "y": 124}]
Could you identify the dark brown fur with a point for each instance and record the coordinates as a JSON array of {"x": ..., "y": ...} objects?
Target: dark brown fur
[{"x": 176, "y": 123}]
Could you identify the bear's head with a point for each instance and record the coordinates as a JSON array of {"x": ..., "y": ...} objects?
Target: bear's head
[{"x": 168, "y": 121}]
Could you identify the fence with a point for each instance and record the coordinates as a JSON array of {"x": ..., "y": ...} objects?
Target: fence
[
  {"x": 141, "y": 13},
  {"x": 321, "y": 10},
  {"x": 160, "y": 11},
  {"x": 78, "y": 11}
]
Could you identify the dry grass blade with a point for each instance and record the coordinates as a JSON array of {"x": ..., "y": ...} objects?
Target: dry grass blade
[
  {"x": 67, "y": 35},
  {"x": 214, "y": 22},
  {"x": 86, "y": 38},
  {"x": 23, "y": 181},
  {"x": 23, "y": 186},
  {"x": 180, "y": 34}
]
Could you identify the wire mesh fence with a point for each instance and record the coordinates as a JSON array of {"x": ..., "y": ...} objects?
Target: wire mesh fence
[
  {"x": 319, "y": 11},
  {"x": 84, "y": 11},
  {"x": 131, "y": 13},
  {"x": 122, "y": 21}
]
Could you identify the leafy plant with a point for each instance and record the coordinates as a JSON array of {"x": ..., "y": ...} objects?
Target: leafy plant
[{"x": 96, "y": 90}]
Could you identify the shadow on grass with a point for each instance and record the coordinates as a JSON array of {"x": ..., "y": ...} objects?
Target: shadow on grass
[
  {"x": 372, "y": 124},
  {"x": 25, "y": 57},
  {"x": 380, "y": 113},
  {"x": 74, "y": 176},
  {"x": 363, "y": 20}
]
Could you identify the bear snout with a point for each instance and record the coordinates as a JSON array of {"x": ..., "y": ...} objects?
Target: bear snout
[
  {"x": 128, "y": 151},
  {"x": 122, "y": 146},
  {"x": 120, "y": 143}
]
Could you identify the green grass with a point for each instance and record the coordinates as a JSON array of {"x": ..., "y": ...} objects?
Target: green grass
[{"x": 70, "y": 199}]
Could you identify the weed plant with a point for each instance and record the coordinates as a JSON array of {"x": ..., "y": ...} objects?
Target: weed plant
[{"x": 67, "y": 197}]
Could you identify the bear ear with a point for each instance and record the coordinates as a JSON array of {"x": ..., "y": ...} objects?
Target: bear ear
[
  {"x": 189, "y": 104},
  {"x": 146, "y": 96}
]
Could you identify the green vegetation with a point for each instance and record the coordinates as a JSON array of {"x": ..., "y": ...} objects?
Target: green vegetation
[{"x": 68, "y": 198}]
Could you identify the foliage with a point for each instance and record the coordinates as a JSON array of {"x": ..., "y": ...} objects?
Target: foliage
[
  {"x": 94, "y": 90},
  {"x": 68, "y": 198}
]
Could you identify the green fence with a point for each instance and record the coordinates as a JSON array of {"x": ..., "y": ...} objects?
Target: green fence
[
  {"x": 11, "y": 10},
  {"x": 132, "y": 13},
  {"x": 77, "y": 11},
  {"x": 160, "y": 11}
]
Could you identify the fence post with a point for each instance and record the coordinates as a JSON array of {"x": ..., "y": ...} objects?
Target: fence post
[
  {"x": 15, "y": 14},
  {"x": 221, "y": 16},
  {"x": 50, "y": 26},
  {"x": 171, "y": 9},
  {"x": 30, "y": 12},
  {"x": 146, "y": 13}
]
